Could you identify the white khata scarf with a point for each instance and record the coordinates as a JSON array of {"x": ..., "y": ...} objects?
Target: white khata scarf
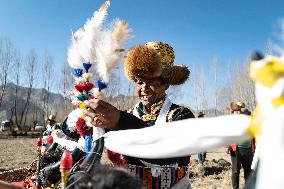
[{"x": 179, "y": 138}]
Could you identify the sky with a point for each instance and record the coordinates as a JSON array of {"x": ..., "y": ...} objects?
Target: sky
[{"x": 198, "y": 30}]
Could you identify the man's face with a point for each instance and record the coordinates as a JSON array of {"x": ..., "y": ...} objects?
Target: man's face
[{"x": 150, "y": 90}]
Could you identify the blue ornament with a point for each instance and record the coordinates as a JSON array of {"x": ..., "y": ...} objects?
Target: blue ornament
[
  {"x": 88, "y": 141},
  {"x": 78, "y": 72},
  {"x": 87, "y": 66},
  {"x": 101, "y": 84}
]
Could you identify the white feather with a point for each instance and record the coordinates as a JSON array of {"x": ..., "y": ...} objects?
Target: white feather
[
  {"x": 84, "y": 40},
  {"x": 92, "y": 33},
  {"x": 110, "y": 48},
  {"x": 73, "y": 57}
]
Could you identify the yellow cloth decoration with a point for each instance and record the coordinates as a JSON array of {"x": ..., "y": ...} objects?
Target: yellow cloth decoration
[
  {"x": 278, "y": 102},
  {"x": 84, "y": 115},
  {"x": 255, "y": 124},
  {"x": 268, "y": 73},
  {"x": 82, "y": 105},
  {"x": 256, "y": 120}
]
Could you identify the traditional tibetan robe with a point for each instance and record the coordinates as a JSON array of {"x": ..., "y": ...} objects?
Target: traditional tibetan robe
[{"x": 156, "y": 173}]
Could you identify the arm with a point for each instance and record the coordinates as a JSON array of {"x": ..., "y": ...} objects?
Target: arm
[
  {"x": 129, "y": 121},
  {"x": 113, "y": 119},
  {"x": 179, "y": 113}
]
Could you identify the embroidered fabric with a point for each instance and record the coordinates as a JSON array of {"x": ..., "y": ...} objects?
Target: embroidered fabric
[
  {"x": 156, "y": 170},
  {"x": 169, "y": 177},
  {"x": 162, "y": 106}
]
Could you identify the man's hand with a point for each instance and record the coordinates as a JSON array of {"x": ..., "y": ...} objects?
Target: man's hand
[{"x": 104, "y": 115}]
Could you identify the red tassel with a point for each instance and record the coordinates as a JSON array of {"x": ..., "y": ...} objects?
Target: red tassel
[
  {"x": 39, "y": 142},
  {"x": 116, "y": 158},
  {"x": 66, "y": 161}
]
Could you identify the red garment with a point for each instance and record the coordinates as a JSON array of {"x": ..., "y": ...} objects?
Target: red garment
[{"x": 234, "y": 146}]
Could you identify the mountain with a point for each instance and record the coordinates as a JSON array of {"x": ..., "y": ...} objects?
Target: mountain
[
  {"x": 36, "y": 106},
  {"x": 56, "y": 103}
]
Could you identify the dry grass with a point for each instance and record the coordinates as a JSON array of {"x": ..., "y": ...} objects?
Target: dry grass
[{"x": 216, "y": 172}]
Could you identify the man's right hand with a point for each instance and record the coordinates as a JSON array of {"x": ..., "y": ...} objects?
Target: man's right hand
[{"x": 105, "y": 115}]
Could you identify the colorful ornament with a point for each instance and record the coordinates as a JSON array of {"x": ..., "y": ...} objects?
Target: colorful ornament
[
  {"x": 87, "y": 66},
  {"x": 78, "y": 72},
  {"x": 66, "y": 164},
  {"x": 88, "y": 140},
  {"x": 101, "y": 84}
]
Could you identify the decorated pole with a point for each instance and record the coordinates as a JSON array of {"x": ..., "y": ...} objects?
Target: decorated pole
[
  {"x": 38, "y": 148},
  {"x": 66, "y": 164},
  {"x": 94, "y": 49}
]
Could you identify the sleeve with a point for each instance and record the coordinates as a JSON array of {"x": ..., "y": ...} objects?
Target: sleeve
[
  {"x": 179, "y": 113},
  {"x": 129, "y": 121}
]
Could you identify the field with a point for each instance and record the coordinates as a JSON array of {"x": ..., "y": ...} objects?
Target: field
[{"x": 215, "y": 174}]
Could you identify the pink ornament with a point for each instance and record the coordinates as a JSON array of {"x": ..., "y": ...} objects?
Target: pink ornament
[
  {"x": 49, "y": 139},
  {"x": 66, "y": 161},
  {"x": 39, "y": 142}
]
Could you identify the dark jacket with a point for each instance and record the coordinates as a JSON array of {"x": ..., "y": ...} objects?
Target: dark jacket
[{"x": 129, "y": 121}]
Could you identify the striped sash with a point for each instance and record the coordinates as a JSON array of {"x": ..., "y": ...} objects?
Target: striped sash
[{"x": 167, "y": 177}]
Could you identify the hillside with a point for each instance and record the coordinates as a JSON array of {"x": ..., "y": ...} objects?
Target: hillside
[
  {"x": 35, "y": 109},
  {"x": 56, "y": 104}
]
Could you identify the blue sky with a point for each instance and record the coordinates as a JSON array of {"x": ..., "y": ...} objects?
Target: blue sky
[{"x": 197, "y": 29}]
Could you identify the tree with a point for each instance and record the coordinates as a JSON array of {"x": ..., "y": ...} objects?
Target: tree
[
  {"x": 66, "y": 84},
  {"x": 215, "y": 68},
  {"x": 6, "y": 59},
  {"x": 30, "y": 68},
  {"x": 48, "y": 79},
  {"x": 197, "y": 86},
  {"x": 17, "y": 72}
]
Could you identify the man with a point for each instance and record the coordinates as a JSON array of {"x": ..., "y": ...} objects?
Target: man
[
  {"x": 241, "y": 154},
  {"x": 151, "y": 67},
  {"x": 201, "y": 155},
  {"x": 51, "y": 124}
]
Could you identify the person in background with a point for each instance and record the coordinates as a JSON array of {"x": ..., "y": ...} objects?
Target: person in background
[
  {"x": 241, "y": 154},
  {"x": 201, "y": 155},
  {"x": 51, "y": 124},
  {"x": 151, "y": 67}
]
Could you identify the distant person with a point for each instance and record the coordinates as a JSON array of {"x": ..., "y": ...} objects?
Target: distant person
[
  {"x": 51, "y": 124},
  {"x": 241, "y": 154},
  {"x": 201, "y": 155}
]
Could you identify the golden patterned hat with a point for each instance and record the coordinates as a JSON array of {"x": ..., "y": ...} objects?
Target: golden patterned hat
[
  {"x": 154, "y": 59},
  {"x": 237, "y": 106}
]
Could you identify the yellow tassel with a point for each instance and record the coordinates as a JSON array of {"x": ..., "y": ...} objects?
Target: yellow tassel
[
  {"x": 278, "y": 102},
  {"x": 256, "y": 120},
  {"x": 255, "y": 124},
  {"x": 82, "y": 105},
  {"x": 268, "y": 73}
]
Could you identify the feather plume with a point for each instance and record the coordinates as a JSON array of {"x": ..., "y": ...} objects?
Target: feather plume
[
  {"x": 84, "y": 40},
  {"x": 111, "y": 48},
  {"x": 74, "y": 58},
  {"x": 92, "y": 33},
  {"x": 94, "y": 44}
]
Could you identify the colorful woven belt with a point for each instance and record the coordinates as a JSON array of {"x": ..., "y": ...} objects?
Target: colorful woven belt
[{"x": 167, "y": 177}]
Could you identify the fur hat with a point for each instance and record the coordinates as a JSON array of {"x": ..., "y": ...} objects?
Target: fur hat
[
  {"x": 51, "y": 118},
  {"x": 154, "y": 59},
  {"x": 238, "y": 106},
  {"x": 200, "y": 114}
]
